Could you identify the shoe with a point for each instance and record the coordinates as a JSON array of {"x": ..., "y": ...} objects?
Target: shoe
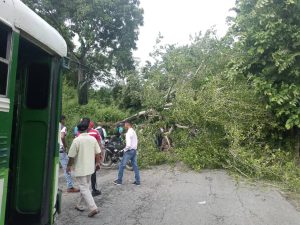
[
  {"x": 73, "y": 190},
  {"x": 93, "y": 213},
  {"x": 96, "y": 193},
  {"x": 136, "y": 183},
  {"x": 116, "y": 182},
  {"x": 79, "y": 209}
]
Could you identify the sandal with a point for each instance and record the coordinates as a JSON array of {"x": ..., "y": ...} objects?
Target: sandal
[
  {"x": 93, "y": 213},
  {"x": 79, "y": 209}
]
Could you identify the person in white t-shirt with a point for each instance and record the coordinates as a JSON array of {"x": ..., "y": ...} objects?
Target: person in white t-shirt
[
  {"x": 82, "y": 154},
  {"x": 63, "y": 156}
]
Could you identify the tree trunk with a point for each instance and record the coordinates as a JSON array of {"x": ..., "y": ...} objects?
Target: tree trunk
[{"x": 82, "y": 87}]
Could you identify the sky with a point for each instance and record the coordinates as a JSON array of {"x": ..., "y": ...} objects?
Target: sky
[{"x": 176, "y": 20}]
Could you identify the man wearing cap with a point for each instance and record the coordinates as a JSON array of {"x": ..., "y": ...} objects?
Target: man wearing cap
[{"x": 82, "y": 154}]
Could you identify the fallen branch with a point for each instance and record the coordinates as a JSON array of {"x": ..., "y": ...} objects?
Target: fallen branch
[
  {"x": 137, "y": 115},
  {"x": 181, "y": 126}
]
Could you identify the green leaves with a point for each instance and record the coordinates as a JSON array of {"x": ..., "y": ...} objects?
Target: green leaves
[
  {"x": 284, "y": 59},
  {"x": 269, "y": 33}
]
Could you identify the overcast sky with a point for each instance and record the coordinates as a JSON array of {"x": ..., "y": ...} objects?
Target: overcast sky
[{"x": 178, "y": 19}]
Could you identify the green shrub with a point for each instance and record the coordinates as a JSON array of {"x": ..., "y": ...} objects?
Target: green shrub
[{"x": 95, "y": 110}]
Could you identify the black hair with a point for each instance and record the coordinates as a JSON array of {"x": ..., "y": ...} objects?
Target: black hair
[
  {"x": 62, "y": 117},
  {"x": 84, "y": 124},
  {"x": 86, "y": 120}
]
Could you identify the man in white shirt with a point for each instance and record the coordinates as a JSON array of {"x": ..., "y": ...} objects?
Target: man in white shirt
[
  {"x": 63, "y": 156},
  {"x": 82, "y": 154},
  {"x": 130, "y": 153}
]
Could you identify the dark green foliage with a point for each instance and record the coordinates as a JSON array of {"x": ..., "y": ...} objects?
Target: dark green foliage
[
  {"x": 268, "y": 37},
  {"x": 131, "y": 93}
]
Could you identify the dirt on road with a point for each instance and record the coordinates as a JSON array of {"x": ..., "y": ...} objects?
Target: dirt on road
[{"x": 176, "y": 196}]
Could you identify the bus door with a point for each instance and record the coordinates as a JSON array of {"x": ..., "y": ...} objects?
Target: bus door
[{"x": 29, "y": 164}]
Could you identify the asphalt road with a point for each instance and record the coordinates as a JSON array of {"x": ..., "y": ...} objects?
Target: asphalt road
[{"x": 176, "y": 196}]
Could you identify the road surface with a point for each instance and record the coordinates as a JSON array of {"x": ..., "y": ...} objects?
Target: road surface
[{"x": 177, "y": 196}]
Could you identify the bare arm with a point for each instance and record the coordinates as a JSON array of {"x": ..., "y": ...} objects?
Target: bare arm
[
  {"x": 98, "y": 159},
  {"x": 63, "y": 139},
  {"x": 101, "y": 148},
  {"x": 70, "y": 163}
]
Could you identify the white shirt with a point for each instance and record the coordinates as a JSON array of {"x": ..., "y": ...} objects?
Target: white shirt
[
  {"x": 83, "y": 150},
  {"x": 104, "y": 131},
  {"x": 131, "y": 140},
  {"x": 63, "y": 129}
]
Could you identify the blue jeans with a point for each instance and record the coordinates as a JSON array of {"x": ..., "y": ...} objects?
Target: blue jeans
[
  {"x": 63, "y": 158},
  {"x": 129, "y": 155}
]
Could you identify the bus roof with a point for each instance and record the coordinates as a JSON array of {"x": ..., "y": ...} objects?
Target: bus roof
[{"x": 17, "y": 15}]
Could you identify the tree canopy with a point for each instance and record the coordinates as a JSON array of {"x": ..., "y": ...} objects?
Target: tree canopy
[
  {"x": 268, "y": 38},
  {"x": 100, "y": 34}
]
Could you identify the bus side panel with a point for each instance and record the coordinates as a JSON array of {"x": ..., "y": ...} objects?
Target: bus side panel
[
  {"x": 30, "y": 175},
  {"x": 6, "y": 128}
]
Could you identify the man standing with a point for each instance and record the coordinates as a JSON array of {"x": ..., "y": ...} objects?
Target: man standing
[
  {"x": 103, "y": 135},
  {"x": 102, "y": 132},
  {"x": 94, "y": 133},
  {"x": 82, "y": 154},
  {"x": 63, "y": 157},
  {"x": 129, "y": 154}
]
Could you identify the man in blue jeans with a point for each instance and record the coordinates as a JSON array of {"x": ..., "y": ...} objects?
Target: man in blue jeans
[
  {"x": 129, "y": 154},
  {"x": 63, "y": 156}
]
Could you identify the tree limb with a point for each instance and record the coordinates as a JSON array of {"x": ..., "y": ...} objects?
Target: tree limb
[{"x": 181, "y": 126}]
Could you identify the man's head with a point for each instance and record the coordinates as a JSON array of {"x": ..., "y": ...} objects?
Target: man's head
[
  {"x": 83, "y": 125},
  {"x": 128, "y": 125},
  {"x": 62, "y": 119}
]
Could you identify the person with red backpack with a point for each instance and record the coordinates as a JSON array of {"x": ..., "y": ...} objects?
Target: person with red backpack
[{"x": 94, "y": 133}]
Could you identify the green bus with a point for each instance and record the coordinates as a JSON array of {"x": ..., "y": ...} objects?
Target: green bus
[{"x": 31, "y": 59}]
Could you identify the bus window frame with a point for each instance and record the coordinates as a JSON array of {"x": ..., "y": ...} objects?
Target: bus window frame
[{"x": 7, "y": 59}]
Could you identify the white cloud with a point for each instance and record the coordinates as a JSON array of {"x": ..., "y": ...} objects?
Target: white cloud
[{"x": 178, "y": 19}]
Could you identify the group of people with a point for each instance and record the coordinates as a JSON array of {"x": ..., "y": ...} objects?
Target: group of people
[{"x": 84, "y": 158}]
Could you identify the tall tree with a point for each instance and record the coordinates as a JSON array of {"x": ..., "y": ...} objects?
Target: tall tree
[
  {"x": 268, "y": 36},
  {"x": 100, "y": 34}
]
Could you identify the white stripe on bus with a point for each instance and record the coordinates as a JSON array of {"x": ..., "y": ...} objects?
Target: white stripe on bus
[{"x": 4, "y": 104}]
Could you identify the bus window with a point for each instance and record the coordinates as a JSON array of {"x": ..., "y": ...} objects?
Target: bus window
[
  {"x": 3, "y": 78},
  {"x": 38, "y": 84},
  {"x": 5, "y": 35}
]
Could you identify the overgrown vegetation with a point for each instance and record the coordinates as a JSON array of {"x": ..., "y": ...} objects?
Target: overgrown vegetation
[{"x": 236, "y": 98}]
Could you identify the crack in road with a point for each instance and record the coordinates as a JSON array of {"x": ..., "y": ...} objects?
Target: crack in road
[{"x": 246, "y": 209}]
